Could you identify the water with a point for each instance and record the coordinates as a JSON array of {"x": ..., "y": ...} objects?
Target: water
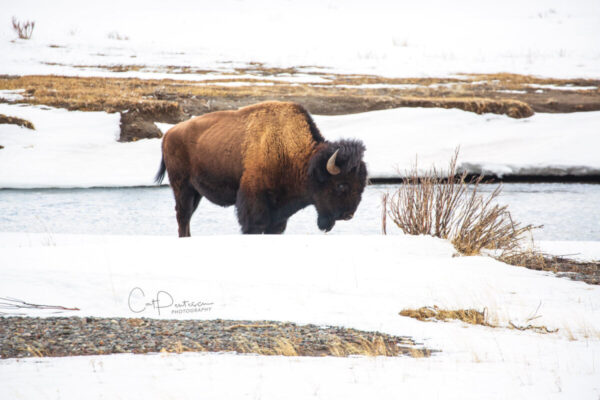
[{"x": 567, "y": 211}]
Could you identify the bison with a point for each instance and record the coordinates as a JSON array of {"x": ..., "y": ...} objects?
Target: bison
[{"x": 269, "y": 159}]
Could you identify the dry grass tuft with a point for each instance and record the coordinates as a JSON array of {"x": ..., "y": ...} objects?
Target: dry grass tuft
[
  {"x": 469, "y": 316},
  {"x": 375, "y": 346},
  {"x": 450, "y": 207},
  {"x": 5, "y": 119},
  {"x": 478, "y": 105},
  {"x": 34, "y": 351},
  {"x": 586, "y": 271}
]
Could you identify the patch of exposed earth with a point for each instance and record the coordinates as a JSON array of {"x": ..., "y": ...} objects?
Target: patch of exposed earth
[
  {"x": 142, "y": 102},
  {"x": 70, "y": 336}
]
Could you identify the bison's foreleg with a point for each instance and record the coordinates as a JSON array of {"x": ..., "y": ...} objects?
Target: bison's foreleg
[
  {"x": 252, "y": 211},
  {"x": 277, "y": 228}
]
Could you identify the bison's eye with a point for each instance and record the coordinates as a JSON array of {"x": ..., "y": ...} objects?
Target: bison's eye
[{"x": 342, "y": 187}]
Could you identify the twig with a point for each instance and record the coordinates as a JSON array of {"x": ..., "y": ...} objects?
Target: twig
[{"x": 12, "y": 303}]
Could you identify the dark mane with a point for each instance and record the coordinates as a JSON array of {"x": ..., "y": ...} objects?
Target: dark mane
[
  {"x": 349, "y": 159},
  {"x": 350, "y": 155}
]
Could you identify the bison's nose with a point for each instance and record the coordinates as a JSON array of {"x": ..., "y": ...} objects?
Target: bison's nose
[{"x": 348, "y": 216}]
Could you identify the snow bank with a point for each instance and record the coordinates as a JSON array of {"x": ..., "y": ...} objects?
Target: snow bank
[
  {"x": 360, "y": 282},
  {"x": 544, "y": 144},
  {"x": 71, "y": 149},
  {"x": 79, "y": 149}
]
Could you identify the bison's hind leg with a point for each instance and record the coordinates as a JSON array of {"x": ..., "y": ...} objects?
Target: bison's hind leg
[{"x": 186, "y": 202}]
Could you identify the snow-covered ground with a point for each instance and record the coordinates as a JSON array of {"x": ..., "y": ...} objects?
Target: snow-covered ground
[
  {"x": 354, "y": 281},
  {"x": 360, "y": 282},
  {"x": 427, "y": 38},
  {"x": 79, "y": 149}
]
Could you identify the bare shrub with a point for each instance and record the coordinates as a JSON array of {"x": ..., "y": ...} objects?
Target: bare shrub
[
  {"x": 24, "y": 29},
  {"x": 451, "y": 207}
]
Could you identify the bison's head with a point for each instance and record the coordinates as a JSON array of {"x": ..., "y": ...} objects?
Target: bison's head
[{"x": 337, "y": 178}]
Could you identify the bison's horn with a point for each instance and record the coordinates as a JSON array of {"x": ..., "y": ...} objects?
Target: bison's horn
[{"x": 331, "y": 167}]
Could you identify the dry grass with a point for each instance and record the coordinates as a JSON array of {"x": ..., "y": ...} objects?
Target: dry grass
[
  {"x": 478, "y": 105},
  {"x": 450, "y": 207},
  {"x": 337, "y": 347},
  {"x": 469, "y": 316},
  {"x": 118, "y": 94},
  {"x": 375, "y": 346},
  {"x": 586, "y": 271},
  {"x": 34, "y": 351},
  {"x": 90, "y": 94},
  {"x": 467, "y": 83},
  {"x": 5, "y": 119}
]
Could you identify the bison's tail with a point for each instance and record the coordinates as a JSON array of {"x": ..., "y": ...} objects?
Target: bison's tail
[{"x": 160, "y": 175}]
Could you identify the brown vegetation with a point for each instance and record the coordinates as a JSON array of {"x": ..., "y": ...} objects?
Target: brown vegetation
[
  {"x": 447, "y": 206},
  {"x": 153, "y": 100},
  {"x": 23, "y": 29},
  {"x": 586, "y": 271},
  {"x": 469, "y": 316},
  {"x": 5, "y": 119}
]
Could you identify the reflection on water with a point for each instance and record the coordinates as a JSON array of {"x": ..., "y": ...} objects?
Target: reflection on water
[{"x": 567, "y": 211}]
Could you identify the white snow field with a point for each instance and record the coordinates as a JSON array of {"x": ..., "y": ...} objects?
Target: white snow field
[
  {"x": 80, "y": 149},
  {"x": 352, "y": 281},
  {"x": 395, "y": 38}
]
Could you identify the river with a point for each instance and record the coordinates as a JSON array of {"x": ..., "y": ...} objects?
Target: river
[{"x": 567, "y": 211}]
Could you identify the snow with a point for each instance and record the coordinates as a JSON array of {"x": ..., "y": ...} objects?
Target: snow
[
  {"x": 512, "y": 91},
  {"x": 224, "y": 376},
  {"x": 79, "y": 149},
  {"x": 71, "y": 149},
  {"x": 578, "y": 250},
  {"x": 401, "y": 39},
  {"x": 544, "y": 144},
  {"x": 11, "y": 95},
  {"x": 359, "y": 281},
  {"x": 556, "y": 87}
]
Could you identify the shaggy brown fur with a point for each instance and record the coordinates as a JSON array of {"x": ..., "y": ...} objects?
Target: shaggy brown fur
[{"x": 268, "y": 159}]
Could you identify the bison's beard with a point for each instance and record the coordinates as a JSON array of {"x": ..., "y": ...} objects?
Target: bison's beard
[{"x": 325, "y": 223}]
